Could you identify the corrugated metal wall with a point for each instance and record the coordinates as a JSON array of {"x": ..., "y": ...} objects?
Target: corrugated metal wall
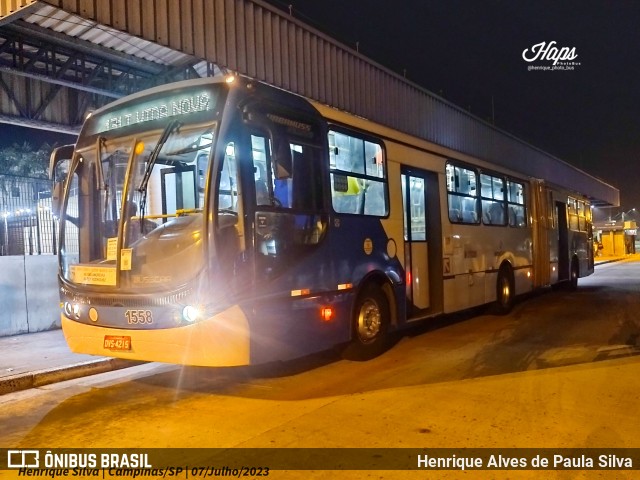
[
  {"x": 10, "y": 7},
  {"x": 255, "y": 39}
]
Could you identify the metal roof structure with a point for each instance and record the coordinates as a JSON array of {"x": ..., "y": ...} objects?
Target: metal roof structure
[
  {"x": 56, "y": 66},
  {"x": 254, "y": 39}
]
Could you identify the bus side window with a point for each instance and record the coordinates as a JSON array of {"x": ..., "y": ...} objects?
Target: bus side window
[
  {"x": 228, "y": 182},
  {"x": 302, "y": 184},
  {"x": 512, "y": 216},
  {"x": 492, "y": 195},
  {"x": 469, "y": 210},
  {"x": 299, "y": 189},
  {"x": 516, "y": 203},
  {"x": 358, "y": 175},
  {"x": 228, "y": 234},
  {"x": 496, "y": 213},
  {"x": 201, "y": 165},
  {"x": 260, "y": 182},
  {"x": 462, "y": 195},
  {"x": 455, "y": 208},
  {"x": 262, "y": 179}
]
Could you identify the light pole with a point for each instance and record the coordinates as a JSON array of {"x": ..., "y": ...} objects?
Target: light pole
[
  {"x": 626, "y": 213},
  {"x": 622, "y": 214}
]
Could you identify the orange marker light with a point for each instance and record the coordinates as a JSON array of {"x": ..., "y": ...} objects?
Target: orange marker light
[
  {"x": 326, "y": 313},
  {"x": 301, "y": 292}
]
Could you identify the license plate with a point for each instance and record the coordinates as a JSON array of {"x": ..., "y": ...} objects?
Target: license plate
[{"x": 116, "y": 342}]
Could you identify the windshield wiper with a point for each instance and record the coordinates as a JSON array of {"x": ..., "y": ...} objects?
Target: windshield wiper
[
  {"x": 156, "y": 152},
  {"x": 150, "y": 164},
  {"x": 101, "y": 184}
]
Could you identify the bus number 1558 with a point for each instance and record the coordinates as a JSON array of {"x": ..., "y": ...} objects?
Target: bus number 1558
[{"x": 139, "y": 317}]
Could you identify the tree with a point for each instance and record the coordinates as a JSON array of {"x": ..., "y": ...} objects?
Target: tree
[
  {"x": 24, "y": 161},
  {"x": 20, "y": 161}
]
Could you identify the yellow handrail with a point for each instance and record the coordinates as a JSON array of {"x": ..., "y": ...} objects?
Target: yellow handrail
[{"x": 179, "y": 212}]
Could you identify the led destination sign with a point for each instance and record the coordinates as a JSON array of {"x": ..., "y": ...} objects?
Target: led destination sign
[{"x": 165, "y": 107}]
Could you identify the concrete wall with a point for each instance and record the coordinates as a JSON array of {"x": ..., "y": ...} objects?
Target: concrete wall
[{"x": 29, "y": 300}]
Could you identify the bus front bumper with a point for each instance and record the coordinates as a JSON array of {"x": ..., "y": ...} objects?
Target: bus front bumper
[{"x": 221, "y": 340}]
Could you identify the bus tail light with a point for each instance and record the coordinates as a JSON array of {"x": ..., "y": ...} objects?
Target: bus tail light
[{"x": 326, "y": 313}]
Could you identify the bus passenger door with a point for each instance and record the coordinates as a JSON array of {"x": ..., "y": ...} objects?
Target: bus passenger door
[
  {"x": 423, "y": 249},
  {"x": 563, "y": 241},
  {"x": 541, "y": 228}
]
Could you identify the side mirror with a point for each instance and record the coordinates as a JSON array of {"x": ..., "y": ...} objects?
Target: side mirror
[
  {"x": 60, "y": 158},
  {"x": 56, "y": 197}
]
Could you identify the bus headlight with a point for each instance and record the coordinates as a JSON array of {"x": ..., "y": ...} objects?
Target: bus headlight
[
  {"x": 72, "y": 310},
  {"x": 191, "y": 314}
]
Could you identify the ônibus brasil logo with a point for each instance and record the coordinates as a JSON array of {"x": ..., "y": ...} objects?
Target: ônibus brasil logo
[
  {"x": 23, "y": 458},
  {"x": 544, "y": 51}
]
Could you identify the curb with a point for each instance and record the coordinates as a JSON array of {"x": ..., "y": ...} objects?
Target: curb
[
  {"x": 39, "y": 378},
  {"x": 604, "y": 262}
]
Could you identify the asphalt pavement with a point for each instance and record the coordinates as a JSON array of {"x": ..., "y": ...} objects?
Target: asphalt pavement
[{"x": 35, "y": 359}]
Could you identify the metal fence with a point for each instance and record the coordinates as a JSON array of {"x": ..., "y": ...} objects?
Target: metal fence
[{"x": 27, "y": 224}]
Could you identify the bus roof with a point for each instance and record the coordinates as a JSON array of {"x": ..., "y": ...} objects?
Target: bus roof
[
  {"x": 490, "y": 144},
  {"x": 455, "y": 130}
]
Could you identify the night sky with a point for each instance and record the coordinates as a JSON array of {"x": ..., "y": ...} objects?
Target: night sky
[{"x": 470, "y": 52}]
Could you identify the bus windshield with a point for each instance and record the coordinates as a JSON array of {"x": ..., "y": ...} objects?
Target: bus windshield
[{"x": 134, "y": 212}]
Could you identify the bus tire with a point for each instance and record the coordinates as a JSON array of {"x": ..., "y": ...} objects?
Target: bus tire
[
  {"x": 574, "y": 273},
  {"x": 370, "y": 324},
  {"x": 505, "y": 291}
]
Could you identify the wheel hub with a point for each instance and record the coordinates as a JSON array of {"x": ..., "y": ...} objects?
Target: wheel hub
[
  {"x": 506, "y": 291},
  {"x": 369, "y": 320}
]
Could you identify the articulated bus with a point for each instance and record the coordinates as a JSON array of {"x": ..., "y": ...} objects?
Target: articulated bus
[{"x": 222, "y": 222}]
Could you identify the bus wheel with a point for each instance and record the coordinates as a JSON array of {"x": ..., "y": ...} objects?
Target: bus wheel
[
  {"x": 505, "y": 291},
  {"x": 370, "y": 324},
  {"x": 574, "y": 274}
]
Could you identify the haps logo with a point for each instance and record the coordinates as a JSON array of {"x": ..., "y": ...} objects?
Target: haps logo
[
  {"x": 544, "y": 51},
  {"x": 23, "y": 459}
]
